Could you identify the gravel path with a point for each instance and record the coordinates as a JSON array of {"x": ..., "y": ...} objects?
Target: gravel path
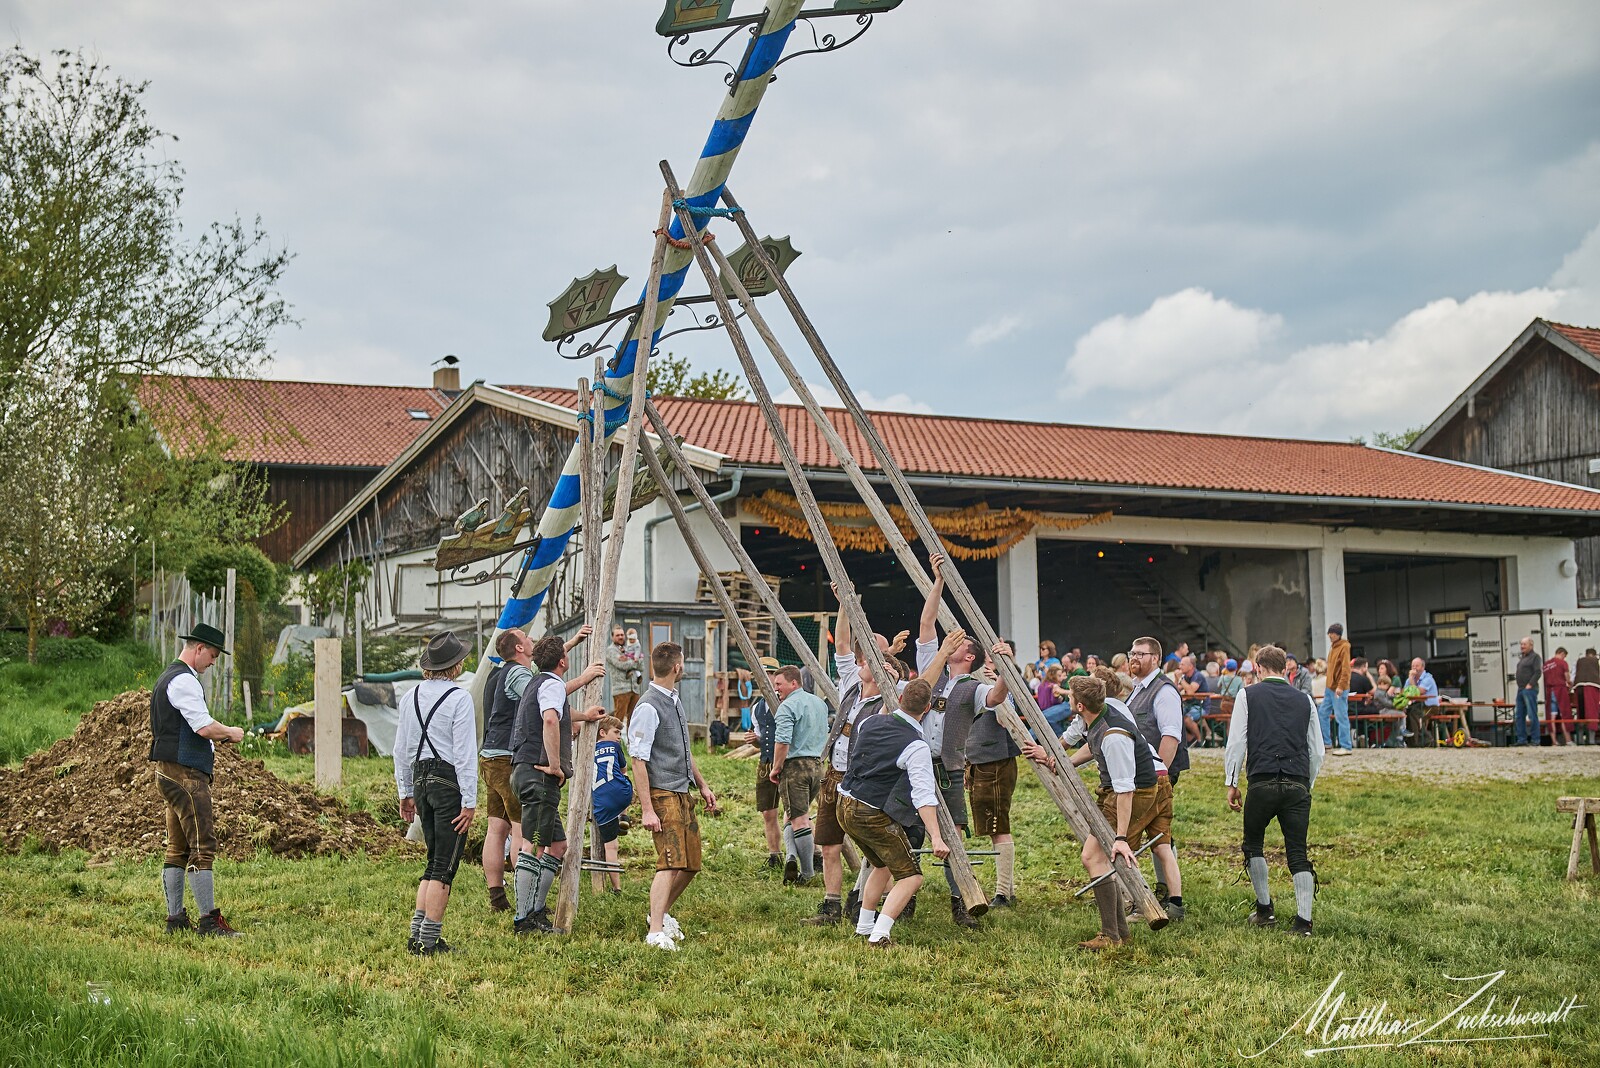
[{"x": 1545, "y": 762}]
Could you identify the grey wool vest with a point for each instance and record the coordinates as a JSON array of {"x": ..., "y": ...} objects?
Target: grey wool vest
[
  {"x": 988, "y": 742},
  {"x": 874, "y": 769},
  {"x": 502, "y": 714},
  {"x": 1143, "y": 707},
  {"x": 960, "y": 712},
  {"x": 669, "y": 753},
  {"x": 1110, "y": 718}
]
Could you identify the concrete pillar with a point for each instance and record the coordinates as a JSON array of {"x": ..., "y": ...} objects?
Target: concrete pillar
[
  {"x": 1326, "y": 595},
  {"x": 1019, "y": 597}
]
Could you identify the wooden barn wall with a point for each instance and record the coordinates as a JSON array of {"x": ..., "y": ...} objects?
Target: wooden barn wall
[
  {"x": 487, "y": 453},
  {"x": 1540, "y": 416},
  {"x": 310, "y": 496}
]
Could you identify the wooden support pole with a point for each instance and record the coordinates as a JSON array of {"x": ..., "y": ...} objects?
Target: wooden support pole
[
  {"x": 360, "y": 625},
  {"x": 1064, "y": 786},
  {"x": 972, "y": 894},
  {"x": 227, "y": 632},
  {"x": 328, "y": 731},
  {"x": 599, "y": 615},
  {"x": 249, "y": 710},
  {"x": 769, "y": 598}
]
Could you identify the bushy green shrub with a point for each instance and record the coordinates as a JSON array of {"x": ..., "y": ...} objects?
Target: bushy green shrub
[{"x": 209, "y": 571}]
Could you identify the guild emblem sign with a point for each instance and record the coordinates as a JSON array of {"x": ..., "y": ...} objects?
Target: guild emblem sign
[
  {"x": 584, "y": 303},
  {"x": 751, "y": 274}
]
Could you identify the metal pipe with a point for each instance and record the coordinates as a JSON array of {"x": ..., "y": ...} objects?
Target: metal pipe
[{"x": 650, "y": 527}]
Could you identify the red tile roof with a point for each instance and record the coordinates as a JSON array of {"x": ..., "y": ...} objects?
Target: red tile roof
[
  {"x": 1584, "y": 337},
  {"x": 1056, "y": 452},
  {"x": 274, "y": 422}
]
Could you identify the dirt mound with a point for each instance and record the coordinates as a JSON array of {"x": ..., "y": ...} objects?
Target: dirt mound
[{"x": 96, "y": 791}]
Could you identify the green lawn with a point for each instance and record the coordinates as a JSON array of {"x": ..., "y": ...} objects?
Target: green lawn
[{"x": 1420, "y": 881}]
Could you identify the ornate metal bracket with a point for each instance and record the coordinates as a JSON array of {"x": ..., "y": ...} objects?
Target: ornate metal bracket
[
  {"x": 828, "y": 42},
  {"x": 712, "y": 321},
  {"x": 630, "y": 315},
  {"x": 701, "y": 57}
]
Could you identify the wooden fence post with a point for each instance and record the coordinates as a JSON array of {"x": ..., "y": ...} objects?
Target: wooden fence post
[{"x": 329, "y": 730}]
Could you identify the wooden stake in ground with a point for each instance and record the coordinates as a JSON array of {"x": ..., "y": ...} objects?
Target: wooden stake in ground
[
  {"x": 1064, "y": 787},
  {"x": 328, "y": 729},
  {"x": 227, "y": 631},
  {"x": 972, "y": 894}
]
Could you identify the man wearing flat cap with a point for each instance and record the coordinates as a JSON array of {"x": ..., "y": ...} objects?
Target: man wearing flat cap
[
  {"x": 436, "y": 771},
  {"x": 181, "y": 736}
]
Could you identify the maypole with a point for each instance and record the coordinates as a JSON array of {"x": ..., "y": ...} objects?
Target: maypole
[{"x": 705, "y": 187}]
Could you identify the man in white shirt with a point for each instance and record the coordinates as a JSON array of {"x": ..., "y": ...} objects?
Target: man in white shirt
[
  {"x": 1276, "y": 739},
  {"x": 436, "y": 774},
  {"x": 181, "y": 736},
  {"x": 667, "y": 778}
]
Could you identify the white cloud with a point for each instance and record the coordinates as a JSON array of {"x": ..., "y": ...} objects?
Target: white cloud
[
  {"x": 1189, "y": 331},
  {"x": 995, "y": 329},
  {"x": 1194, "y": 361},
  {"x": 828, "y": 398}
]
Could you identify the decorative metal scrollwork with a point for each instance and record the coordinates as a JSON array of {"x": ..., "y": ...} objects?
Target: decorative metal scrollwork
[
  {"x": 828, "y": 42},
  {"x": 701, "y": 57},
  {"x": 589, "y": 348},
  {"x": 711, "y": 322}
]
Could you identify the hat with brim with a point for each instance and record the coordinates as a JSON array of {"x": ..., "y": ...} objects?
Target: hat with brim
[
  {"x": 770, "y": 663},
  {"x": 206, "y": 634},
  {"x": 444, "y": 651}
]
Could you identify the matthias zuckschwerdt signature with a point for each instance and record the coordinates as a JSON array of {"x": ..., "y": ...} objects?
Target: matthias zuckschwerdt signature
[{"x": 1334, "y": 1023}]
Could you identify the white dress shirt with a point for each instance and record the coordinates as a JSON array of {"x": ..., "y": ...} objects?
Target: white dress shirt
[
  {"x": 185, "y": 694},
  {"x": 453, "y": 732},
  {"x": 643, "y": 722},
  {"x": 1168, "y": 708},
  {"x": 916, "y": 760}
]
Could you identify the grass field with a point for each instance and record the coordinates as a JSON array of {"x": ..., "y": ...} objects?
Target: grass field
[{"x": 1421, "y": 880}]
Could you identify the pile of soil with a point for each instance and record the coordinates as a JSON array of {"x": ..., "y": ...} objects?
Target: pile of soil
[{"x": 96, "y": 791}]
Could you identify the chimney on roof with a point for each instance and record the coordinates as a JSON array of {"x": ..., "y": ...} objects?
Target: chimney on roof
[{"x": 447, "y": 379}]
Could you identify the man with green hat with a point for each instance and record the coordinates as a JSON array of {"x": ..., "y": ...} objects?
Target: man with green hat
[{"x": 181, "y": 736}]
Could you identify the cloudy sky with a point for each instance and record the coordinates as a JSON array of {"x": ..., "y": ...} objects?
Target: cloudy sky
[{"x": 1317, "y": 220}]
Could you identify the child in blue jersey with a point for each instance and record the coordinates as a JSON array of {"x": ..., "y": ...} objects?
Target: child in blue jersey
[{"x": 613, "y": 791}]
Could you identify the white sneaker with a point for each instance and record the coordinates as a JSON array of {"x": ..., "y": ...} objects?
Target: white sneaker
[
  {"x": 661, "y": 940},
  {"x": 1342, "y": 752},
  {"x": 670, "y": 927}
]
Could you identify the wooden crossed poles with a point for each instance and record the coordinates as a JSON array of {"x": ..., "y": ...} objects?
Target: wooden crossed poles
[{"x": 1064, "y": 786}]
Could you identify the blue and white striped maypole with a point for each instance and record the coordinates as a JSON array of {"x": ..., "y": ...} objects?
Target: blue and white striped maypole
[{"x": 704, "y": 188}]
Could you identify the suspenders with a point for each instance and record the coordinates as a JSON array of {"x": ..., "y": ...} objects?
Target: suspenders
[{"x": 425, "y": 740}]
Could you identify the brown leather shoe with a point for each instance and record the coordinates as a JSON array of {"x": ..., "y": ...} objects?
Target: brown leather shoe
[
  {"x": 498, "y": 902},
  {"x": 1099, "y": 942},
  {"x": 881, "y": 944},
  {"x": 212, "y": 925},
  {"x": 180, "y": 922}
]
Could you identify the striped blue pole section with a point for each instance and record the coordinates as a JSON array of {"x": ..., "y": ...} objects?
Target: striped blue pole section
[{"x": 704, "y": 188}]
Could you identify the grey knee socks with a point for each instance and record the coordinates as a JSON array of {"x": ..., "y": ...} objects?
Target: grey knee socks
[
  {"x": 549, "y": 868},
  {"x": 788, "y": 842},
  {"x": 1105, "y": 899},
  {"x": 172, "y": 885},
  {"x": 1121, "y": 913},
  {"x": 416, "y": 924},
  {"x": 200, "y": 884},
  {"x": 804, "y": 852},
  {"x": 1258, "y": 879},
  {"x": 527, "y": 882},
  {"x": 1305, "y": 888},
  {"x": 428, "y": 933}
]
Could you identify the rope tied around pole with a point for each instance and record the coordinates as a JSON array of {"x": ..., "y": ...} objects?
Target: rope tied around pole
[
  {"x": 684, "y": 244},
  {"x": 698, "y": 212},
  {"x": 614, "y": 395}
]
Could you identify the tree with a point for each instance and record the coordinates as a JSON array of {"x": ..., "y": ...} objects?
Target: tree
[
  {"x": 671, "y": 376},
  {"x": 62, "y": 515},
  {"x": 1401, "y": 440},
  {"x": 98, "y": 287},
  {"x": 95, "y": 275}
]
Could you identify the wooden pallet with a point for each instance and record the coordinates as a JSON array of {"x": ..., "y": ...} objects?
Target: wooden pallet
[{"x": 742, "y": 592}]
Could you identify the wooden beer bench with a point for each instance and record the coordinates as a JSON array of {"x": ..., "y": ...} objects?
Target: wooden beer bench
[{"x": 1583, "y": 809}]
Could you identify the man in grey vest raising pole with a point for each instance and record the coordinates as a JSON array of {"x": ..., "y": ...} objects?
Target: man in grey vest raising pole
[
  {"x": 1275, "y": 737},
  {"x": 181, "y": 733},
  {"x": 666, "y": 777},
  {"x": 1158, "y": 712}
]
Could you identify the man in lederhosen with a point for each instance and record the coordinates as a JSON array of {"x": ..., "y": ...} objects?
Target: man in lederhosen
[
  {"x": 764, "y": 724},
  {"x": 541, "y": 760},
  {"x": 668, "y": 778},
  {"x": 1158, "y": 712},
  {"x": 436, "y": 772},
  {"x": 1275, "y": 737},
  {"x": 1131, "y": 798},
  {"x": 503, "y": 693},
  {"x": 181, "y": 733}
]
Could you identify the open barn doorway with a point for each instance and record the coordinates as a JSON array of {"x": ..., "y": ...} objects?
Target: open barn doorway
[{"x": 1402, "y": 607}]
